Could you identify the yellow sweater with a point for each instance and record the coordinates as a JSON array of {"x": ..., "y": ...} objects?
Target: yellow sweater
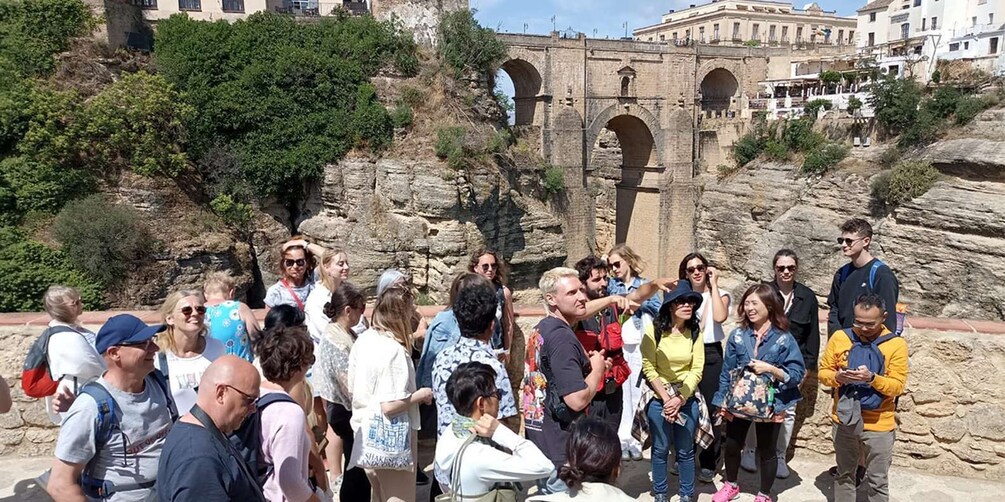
[
  {"x": 890, "y": 385},
  {"x": 678, "y": 360}
]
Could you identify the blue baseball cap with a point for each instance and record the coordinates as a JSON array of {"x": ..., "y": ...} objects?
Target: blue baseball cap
[{"x": 124, "y": 329}]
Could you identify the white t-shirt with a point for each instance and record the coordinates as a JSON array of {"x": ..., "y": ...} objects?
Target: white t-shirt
[
  {"x": 145, "y": 421},
  {"x": 711, "y": 331},
  {"x": 314, "y": 311},
  {"x": 73, "y": 362},
  {"x": 482, "y": 465},
  {"x": 185, "y": 373}
]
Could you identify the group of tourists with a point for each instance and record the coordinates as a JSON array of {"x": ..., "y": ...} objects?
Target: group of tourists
[{"x": 327, "y": 399}]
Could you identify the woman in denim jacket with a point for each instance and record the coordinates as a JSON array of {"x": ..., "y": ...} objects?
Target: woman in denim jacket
[{"x": 762, "y": 342}]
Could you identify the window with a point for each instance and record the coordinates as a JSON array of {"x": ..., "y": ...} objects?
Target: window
[
  {"x": 872, "y": 39},
  {"x": 966, "y": 46},
  {"x": 687, "y": 34},
  {"x": 736, "y": 31},
  {"x": 190, "y": 4},
  {"x": 917, "y": 3},
  {"x": 954, "y": 47},
  {"x": 872, "y": 17},
  {"x": 973, "y": 21},
  {"x": 674, "y": 35},
  {"x": 785, "y": 33},
  {"x": 771, "y": 33},
  {"x": 924, "y": 25},
  {"x": 935, "y": 23},
  {"x": 662, "y": 37},
  {"x": 994, "y": 46},
  {"x": 756, "y": 31},
  {"x": 799, "y": 34},
  {"x": 851, "y": 36},
  {"x": 917, "y": 49},
  {"x": 715, "y": 31},
  {"x": 233, "y": 5},
  {"x": 840, "y": 36},
  {"x": 905, "y": 30},
  {"x": 145, "y": 4},
  {"x": 991, "y": 18},
  {"x": 701, "y": 33}
]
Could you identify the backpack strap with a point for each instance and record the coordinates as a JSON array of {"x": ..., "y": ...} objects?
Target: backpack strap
[
  {"x": 162, "y": 362},
  {"x": 876, "y": 264},
  {"x": 272, "y": 398},
  {"x": 46, "y": 336},
  {"x": 161, "y": 380},
  {"x": 844, "y": 272}
]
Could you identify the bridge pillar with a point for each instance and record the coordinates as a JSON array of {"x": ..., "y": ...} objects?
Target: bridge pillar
[{"x": 576, "y": 206}]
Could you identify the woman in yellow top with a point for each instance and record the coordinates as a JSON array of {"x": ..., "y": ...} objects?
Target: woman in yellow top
[{"x": 672, "y": 363}]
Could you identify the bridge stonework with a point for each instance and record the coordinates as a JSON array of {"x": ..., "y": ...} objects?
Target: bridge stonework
[{"x": 654, "y": 97}]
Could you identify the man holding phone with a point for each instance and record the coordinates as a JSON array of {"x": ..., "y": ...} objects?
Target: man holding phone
[{"x": 866, "y": 366}]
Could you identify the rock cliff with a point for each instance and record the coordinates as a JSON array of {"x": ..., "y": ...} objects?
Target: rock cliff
[{"x": 946, "y": 247}]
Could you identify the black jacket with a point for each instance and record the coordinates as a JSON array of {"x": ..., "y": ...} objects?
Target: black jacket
[
  {"x": 843, "y": 295},
  {"x": 804, "y": 322}
]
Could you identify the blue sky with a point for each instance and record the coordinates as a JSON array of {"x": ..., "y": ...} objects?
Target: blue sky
[{"x": 607, "y": 17}]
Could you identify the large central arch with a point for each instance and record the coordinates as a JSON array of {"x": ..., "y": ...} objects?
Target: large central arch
[
  {"x": 527, "y": 86},
  {"x": 717, "y": 90}
]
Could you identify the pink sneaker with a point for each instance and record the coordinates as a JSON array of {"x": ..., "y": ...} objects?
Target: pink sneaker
[
  {"x": 762, "y": 498},
  {"x": 728, "y": 492}
]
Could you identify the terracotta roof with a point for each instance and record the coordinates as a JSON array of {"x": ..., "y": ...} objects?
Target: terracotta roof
[{"x": 875, "y": 4}]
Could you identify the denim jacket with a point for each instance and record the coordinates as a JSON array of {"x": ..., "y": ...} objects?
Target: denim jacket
[
  {"x": 651, "y": 306},
  {"x": 442, "y": 332},
  {"x": 778, "y": 348}
]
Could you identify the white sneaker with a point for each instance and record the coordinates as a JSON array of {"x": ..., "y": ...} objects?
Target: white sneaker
[{"x": 748, "y": 460}]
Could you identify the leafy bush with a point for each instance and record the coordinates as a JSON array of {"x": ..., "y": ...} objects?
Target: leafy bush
[
  {"x": 943, "y": 101},
  {"x": 890, "y": 156},
  {"x": 813, "y": 107},
  {"x": 896, "y": 103},
  {"x": 29, "y": 268},
  {"x": 100, "y": 238},
  {"x": 450, "y": 145},
  {"x": 967, "y": 109},
  {"x": 748, "y": 147},
  {"x": 922, "y": 131},
  {"x": 854, "y": 104},
  {"x": 233, "y": 212},
  {"x": 752, "y": 43},
  {"x": 38, "y": 186},
  {"x": 500, "y": 141},
  {"x": 776, "y": 151},
  {"x": 33, "y": 31},
  {"x": 412, "y": 96},
  {"x": 554, "y": 180},
  {"x": 465, "y": 45},
  {"x": 904, "y": 182},
  {"x": 284, "y": 98},
  {"x": 402, "y": 115},
  {"x": 830, "y": 77},
  {"x": 824, "y": 159},
  {"x": 799, "y": 135}
]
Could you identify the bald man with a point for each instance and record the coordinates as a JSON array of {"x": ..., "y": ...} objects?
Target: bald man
[{"x": 198, "y": 463}]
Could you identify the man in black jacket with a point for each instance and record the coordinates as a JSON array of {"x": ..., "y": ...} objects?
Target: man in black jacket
[{"x": 863, "y": 275}]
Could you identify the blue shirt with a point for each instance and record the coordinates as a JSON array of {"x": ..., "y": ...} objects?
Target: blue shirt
[
  {"x": 442, "y": 332},
  {"x": 651, "y": 306},
  {"x": 778, "y": 348},
  {"x": 226, "y": 325},
  {"x": 195, "y": 466}
]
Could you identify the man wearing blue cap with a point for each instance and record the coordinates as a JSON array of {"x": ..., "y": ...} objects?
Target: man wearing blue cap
[{"x": 112, "y": 435}]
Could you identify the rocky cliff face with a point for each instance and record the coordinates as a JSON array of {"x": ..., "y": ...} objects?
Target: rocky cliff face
[
  {"x": 421, "y": 18},
  {"x": 426, "y": 219},
  {"x": 946, "y": 247}
]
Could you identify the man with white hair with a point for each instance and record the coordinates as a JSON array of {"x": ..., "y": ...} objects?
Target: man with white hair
[{"x": 560, "y": 378}]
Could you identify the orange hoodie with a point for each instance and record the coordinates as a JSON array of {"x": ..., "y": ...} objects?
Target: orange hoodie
[{"x": 891, "y": 384}]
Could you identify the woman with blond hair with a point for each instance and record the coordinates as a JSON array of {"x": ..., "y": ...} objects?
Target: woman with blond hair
[
  {"x": 185, "y": 350},
  {"x": 73, "y": 361},
  {"x": 334, "y": 269},
  {"x": 382, "y": 381},
  {"x": 486, "y": 263}
]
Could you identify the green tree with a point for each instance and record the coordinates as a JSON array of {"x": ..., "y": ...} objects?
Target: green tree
[
  {"x": 906, "y": 181},
  {"x": 101, "y": 238},
  {"x": 465, "y": 45},
  {"x": 33, "y": 31},
  {"x": 896, "y": 103},
  {"x": 29, "y": 268}
]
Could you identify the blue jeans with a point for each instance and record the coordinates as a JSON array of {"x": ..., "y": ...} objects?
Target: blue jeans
[{"x": 683, "y": 442}]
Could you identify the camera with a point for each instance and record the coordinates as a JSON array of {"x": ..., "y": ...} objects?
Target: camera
[{"x": 610, "y": 385}]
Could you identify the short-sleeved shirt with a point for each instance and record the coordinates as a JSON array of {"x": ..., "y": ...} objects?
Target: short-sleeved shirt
[
  {"x": 330, "y": 377},
  {"x": 569, "y": 368},
  {"x": 195, "y": 467},
  {"x": 73, "y": 362},
  {"x": 131, "y": 454},
  {"x": 380, "y": 370},
  {"x": 279, "y": 294},
  {"x": 467, "y": 350},
  {"x": 184, "y": 373},
  {"x": 285, "y": 446},
  {"x": 225, "y": 324}
]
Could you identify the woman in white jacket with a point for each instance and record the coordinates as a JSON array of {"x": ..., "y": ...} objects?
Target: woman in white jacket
[{"x": 477, "y": 439}]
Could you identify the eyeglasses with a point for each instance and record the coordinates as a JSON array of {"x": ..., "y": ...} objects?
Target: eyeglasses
[
  {"x": 300, "y": 262},
  {"x": 248, "y": 399},
  {"x": 848, "y": 242},
  {"x": 489, "y": 266},
  {"x": 784, "y": 268},
  {"x": 497, "y": 394},
  {"x": 198, "y": 309},
  {"x": 138, "y": 345},
  {"x": 699, "y": 268},
  {"x": 615, "y": 264}
]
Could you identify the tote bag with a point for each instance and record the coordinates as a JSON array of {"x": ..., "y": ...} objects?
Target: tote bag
[
  {"x": 496, "y": 494},
  {"x": 386, "y": 441}
]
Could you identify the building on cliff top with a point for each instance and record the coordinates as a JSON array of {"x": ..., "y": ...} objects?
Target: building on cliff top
[{"x": 751, "y": 22}]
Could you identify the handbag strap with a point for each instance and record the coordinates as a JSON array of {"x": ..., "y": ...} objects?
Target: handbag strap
[
  {"x": 455, "y": 470},
  {"x": 300, "y": 303},
  {"x": 208, "y": 423}
]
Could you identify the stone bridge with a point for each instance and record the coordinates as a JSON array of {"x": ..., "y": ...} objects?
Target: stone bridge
[{"x": 668, "y": 106}]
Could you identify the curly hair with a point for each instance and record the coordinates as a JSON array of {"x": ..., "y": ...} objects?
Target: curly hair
[
  {"x": 284, "y": 351},
  {"x": 500, "y": 278},
  {"x": 475, "y": 308}
]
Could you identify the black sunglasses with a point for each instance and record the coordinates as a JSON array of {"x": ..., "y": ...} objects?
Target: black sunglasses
[
  {"x": 848, "y": 242},
  {"x": 138, "y": 345},
  {"x": 699, "y": 268},
  {"x": 187, "y": 310},
  {"x": 783, "y": 268},
  {"x": 497, "y": 394},
  {"x": 615, "y": 264},
  {"x": 300, "y": 262},
  {"x": 489, "y": 266}
]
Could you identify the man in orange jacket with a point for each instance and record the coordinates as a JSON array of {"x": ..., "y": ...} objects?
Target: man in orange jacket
[{"x": 867, "y": 368}]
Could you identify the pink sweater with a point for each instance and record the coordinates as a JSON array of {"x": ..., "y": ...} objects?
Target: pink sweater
[{"x": 286, "y": 446}]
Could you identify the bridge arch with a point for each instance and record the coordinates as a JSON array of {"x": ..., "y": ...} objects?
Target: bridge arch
[
  {"x": 638, "y": 131},
  {"x": 720, "y": 84},
  {"x": 527, "y": 87}
]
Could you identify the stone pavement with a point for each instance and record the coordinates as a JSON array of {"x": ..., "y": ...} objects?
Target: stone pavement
[{"x": 809, "y": 482}]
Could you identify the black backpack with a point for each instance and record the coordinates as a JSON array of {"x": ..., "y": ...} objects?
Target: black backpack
[{"x": 247, "y": 439}]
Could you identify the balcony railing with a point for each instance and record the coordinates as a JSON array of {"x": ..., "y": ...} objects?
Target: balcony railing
[{"x": 306, "y": 8}]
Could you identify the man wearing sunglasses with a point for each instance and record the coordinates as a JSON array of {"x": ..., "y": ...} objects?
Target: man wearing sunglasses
[
  {"x": 112, "y": 436},
  {"x": 198, "y": 462},
  {"x": 864, "y": 274}
]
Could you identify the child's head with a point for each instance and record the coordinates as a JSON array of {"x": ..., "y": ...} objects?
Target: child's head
[{"x": 219, "y": 285}]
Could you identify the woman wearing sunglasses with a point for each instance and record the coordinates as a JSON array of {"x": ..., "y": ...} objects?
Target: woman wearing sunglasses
[
  {"x": 713, "y": 312},
  {"x": 487, "y": 264},
  {"x": 185, "y": 350},
  {"x": 297, "y": 276}
]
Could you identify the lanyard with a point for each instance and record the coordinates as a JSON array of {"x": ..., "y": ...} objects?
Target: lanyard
[{"x": 207, "y": 422}]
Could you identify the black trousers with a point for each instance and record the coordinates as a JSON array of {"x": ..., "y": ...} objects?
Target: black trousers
[
  {"x": 767, "y": 449},
  {"x": 355, "y": 484},
  {"x": 709, "y": 385},
  {"x": 607, "y": 407}
]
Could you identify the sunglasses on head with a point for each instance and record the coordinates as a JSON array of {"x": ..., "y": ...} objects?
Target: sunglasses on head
[
  {"x": 784, "y": 268},
  {"x": 848, "y": 242},
  {"x": 699, "y": 268},
  {"x": 489, "y": 266},
  {"x": 198, "y": 309},
  {"x": 298, "y": 262}
]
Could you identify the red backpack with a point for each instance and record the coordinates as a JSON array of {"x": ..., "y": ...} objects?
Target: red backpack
[
  {"x": 609, "y": 339},
  {"x": 36, "y": 379}
]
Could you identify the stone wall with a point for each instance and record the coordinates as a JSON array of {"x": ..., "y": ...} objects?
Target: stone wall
[{"x": 952, "y": 416}]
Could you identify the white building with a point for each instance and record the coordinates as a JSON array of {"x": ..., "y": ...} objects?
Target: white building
[{"x": 908, "y": 37}]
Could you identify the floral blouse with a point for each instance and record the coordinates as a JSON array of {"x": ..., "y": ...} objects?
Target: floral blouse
[{"x": 330, "y": 376}]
